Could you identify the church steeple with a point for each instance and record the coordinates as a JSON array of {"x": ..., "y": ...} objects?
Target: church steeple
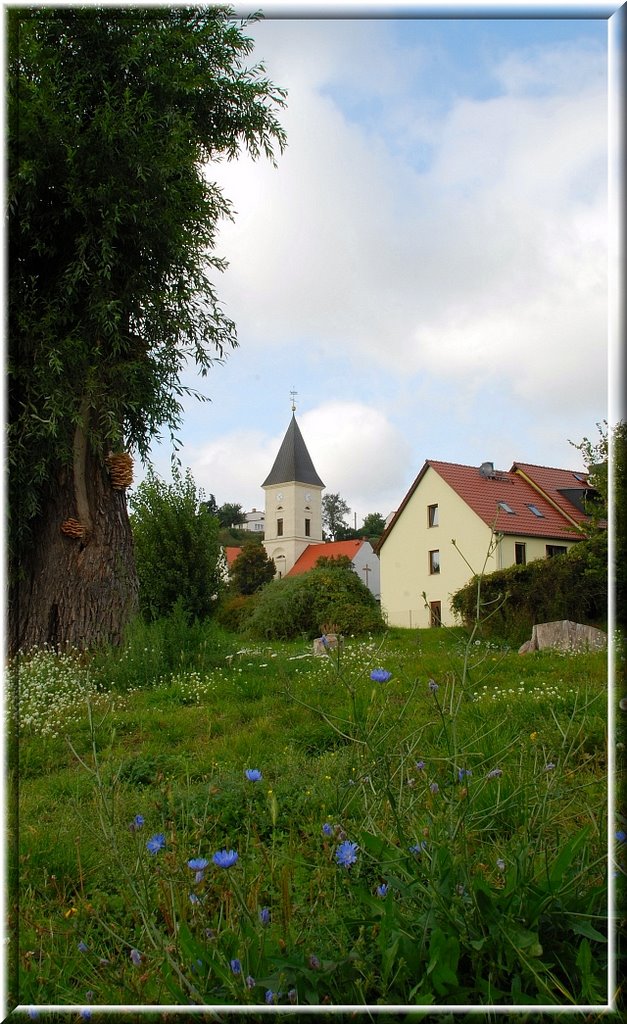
[
  {"x": 293, "y": 517},
  {"x": 293, "y": 462}
]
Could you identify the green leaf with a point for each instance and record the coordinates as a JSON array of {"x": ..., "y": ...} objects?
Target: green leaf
[{"x": 567, "y": 856}]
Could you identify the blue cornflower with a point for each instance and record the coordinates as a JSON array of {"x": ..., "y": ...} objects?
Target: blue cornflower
[
  {"x": 32, "y": 1013},
  {"x": 620, "y": 835},
  {"x": 270, "y": 996},
  {"x": 156, "y": 843},
  {"x": 346, "y": 853},
  {"x": 264, "y": 916},
  {"x": 434, "y": 788},
  {"x": 83, "y": 947},
  {"x": 380, "y": 675},
  {"x": 138, "y": 821},
  {"x": 433, "y": 686},
  {"x": 324, "y": 640},
  {"x": 382, "y": 890},
  {"x": 198, "y": 877},
  {"x": 327, "y": 829},
  {"x": 549, "y": 767},
  {"x": 136, "y": 956},
  {"x": 418, "y": 847},
  {"x": 236, "y": 966},
  {"x": 463, "y": 772},
  {"x": 253, "y": 775},
  {"x": 225, "y": 858},
  {"x": 250, "y": 982},
  {"x": 193, "y": 899},
  {"x": 313, "y": 961},
  {"x": 86, "y": 1014},
  {"x": 198, "y": 863},
  {"x": 420, "y": 765},
  {"x": 495, "y": 773}
]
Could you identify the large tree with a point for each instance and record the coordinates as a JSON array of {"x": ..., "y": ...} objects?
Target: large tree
[
  {"x": 115, "y": 115},
  {"x": 334, "y": 513}
]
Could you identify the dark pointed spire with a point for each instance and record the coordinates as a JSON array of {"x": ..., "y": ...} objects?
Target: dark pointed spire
[{"x": 293, "y": 463}]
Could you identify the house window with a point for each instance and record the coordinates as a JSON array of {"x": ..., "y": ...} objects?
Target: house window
[
  {"x": 307, "y": 527},
  {"x": 434, "y": 562},
  {"x": 435, "y": 613},
  {"x": 555, "y": 549},
  {"x": 433, "y": 515},
  {"x": 536, "y": 511},
  {"x": 506, "y": 508},
  {"x": 279, "y": 527},
  {"x": 520, "y": 551}
]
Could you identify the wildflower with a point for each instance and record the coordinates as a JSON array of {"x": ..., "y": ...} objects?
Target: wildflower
[
  {"x": 324, "y": 640},
  {"x": 292, "y": 995},
  {"x": 225, "y": 858},
  {"x": 236, "y": 966},
  {"x": 463, "y": 772},
  {"x": 86, "y": 1014},
  {"x": 533, "y": 736},
  {"x": 250, "y": 982},
  {"x": 198, "y": 863},
  {"x": 420, "y": 765},
  {"x": 156, "y": 843},
  {"x": 253, "y": 775},
  {"x": 495, "y": 773},
  {"x": 137, "y": 822},
  {"x": 434, "y": 788},
  {"x": 83, "y": 947},
  {"x": 433, "y": 686},
  {"x": 620, "y": 835},
  {"x": 380, "y": 675},
  {"x": 549, "y": 767},
  {"x": 264, "y": 916},
  {"x": 418, "y": 847},
  {"x": 198, "y": 877},
  {"x": 313, "y": 961},
  {"x": 136, "y": 956},
  {"x": 500, "y": 864},
  {"x": 32, "y": 1013},
  {"x": 382, "y": 890},
  {"x": 193, "y": 898},
  {"x": 270, "y": 997},
  {"x": 346, "y": 853},
  {"x": 327, "y": 829}
]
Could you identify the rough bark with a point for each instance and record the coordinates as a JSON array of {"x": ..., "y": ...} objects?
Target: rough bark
[{"x": 76, "y": 591}]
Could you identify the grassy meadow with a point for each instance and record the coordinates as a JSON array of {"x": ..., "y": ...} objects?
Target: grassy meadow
[{"x": 416, "y": 819}]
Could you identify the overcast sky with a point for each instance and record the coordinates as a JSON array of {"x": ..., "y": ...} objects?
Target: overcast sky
[{"x": 427, "y": 266}]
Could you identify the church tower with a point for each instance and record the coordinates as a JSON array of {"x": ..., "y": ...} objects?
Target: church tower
[{"x": 293, "y": 502}]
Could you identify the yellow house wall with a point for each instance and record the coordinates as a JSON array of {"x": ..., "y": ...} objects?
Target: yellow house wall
[{"x": 404, "y": 558}]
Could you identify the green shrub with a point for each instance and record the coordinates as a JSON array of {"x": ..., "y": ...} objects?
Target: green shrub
[
  {"x": 571, "y": 586},
  {"x": 234, "y": 611},
  {"x": 300, "y": 605}
]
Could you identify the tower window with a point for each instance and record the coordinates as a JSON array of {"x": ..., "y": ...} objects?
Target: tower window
[
  {"x": 279, "y": 527},
  {"x": 307, "y": 527}
]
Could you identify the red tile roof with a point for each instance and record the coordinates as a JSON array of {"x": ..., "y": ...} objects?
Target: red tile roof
[
  {"x": 332, "y": 549},
  {"x": 555, "y": 483},
  {"x": 482, "y": 493},
  {"x": 231, "y": 554}
]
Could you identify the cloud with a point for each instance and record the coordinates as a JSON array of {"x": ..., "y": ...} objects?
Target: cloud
[{"x": 489, "y": 260}]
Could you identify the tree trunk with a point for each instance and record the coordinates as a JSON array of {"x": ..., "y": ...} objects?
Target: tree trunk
[{"x": 76, "y": 591}]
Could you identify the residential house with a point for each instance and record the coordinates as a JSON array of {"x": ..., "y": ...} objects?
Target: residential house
[{"x": 456, "y": 521}]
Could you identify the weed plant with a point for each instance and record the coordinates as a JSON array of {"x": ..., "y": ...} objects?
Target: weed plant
[{"x": 413, "y": 821}]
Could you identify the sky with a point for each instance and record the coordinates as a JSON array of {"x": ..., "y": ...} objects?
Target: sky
[{"x": 426, "y": 266}]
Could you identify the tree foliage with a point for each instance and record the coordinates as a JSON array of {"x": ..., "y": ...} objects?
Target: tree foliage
[
  {"x": 231, "y": 514},
  {"x": 177, "y": 550},
  {"x": 334, "y": 513},
  {"x": 252, "y": 569},
  {"x": 114, "y": 116}
]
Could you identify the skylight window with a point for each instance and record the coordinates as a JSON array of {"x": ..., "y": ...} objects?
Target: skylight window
[
  {"x": 506, "y": 508},
  {"x": 536, "y": 511}
]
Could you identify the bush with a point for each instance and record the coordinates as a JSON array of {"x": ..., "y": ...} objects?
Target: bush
[
  {"x": 299, "y": 605},
  {"x": 234, "y": 611},
  {"x": 571, "y": 586}
]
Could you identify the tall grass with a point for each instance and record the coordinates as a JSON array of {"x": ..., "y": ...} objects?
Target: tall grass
[{"x": 428, "y": 828}]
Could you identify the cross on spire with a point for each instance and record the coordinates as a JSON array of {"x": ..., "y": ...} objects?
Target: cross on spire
[{"x": 293, "y": 397}]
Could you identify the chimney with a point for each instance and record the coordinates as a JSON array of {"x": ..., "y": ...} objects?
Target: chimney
[{"x": 487, "y": 469}]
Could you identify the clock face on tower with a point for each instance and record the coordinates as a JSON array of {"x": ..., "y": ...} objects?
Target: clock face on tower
[
  {"x": 308, "y": 496},
  {"x": 279, "y": 496}
]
